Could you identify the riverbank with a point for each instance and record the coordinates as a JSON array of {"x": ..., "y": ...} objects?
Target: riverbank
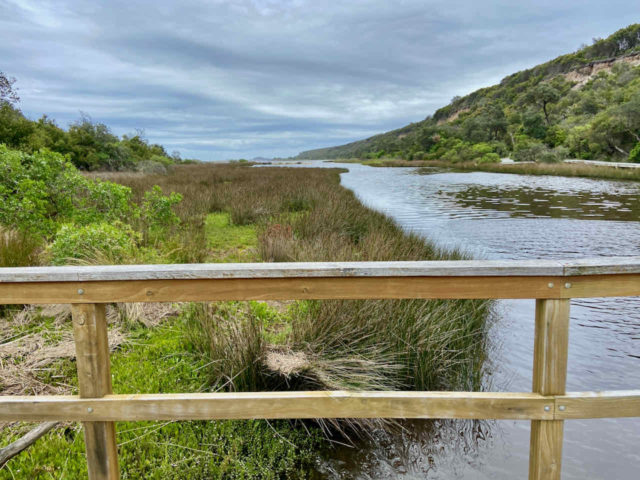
[
  {"x": 236, "y": 213},
  {"x": 558, "y": 169}
]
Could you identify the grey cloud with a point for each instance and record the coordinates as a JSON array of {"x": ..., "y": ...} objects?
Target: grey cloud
[{"x": 219, "y": 79}]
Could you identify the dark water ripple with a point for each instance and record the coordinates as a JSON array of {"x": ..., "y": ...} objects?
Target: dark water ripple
[{"x": 503, "y": 216}]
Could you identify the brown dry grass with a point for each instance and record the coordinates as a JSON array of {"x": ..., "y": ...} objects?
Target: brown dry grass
[{"x": 33, "y": 338}]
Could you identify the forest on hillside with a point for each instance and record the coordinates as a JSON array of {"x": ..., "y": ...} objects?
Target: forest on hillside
[{"x": 540, "y": 114}]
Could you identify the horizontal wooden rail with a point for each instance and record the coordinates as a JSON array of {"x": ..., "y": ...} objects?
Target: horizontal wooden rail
[
  {"x": 324, "y": 404},
  {"x": 607, "y": 277},
  {"x": 551, "y": 282},
  {"x": 457, "y": 268}
]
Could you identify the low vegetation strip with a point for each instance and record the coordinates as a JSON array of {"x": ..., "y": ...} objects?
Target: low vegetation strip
[
  {"x": 222, "y": 213},
  {"x": 521, "y": 168}
]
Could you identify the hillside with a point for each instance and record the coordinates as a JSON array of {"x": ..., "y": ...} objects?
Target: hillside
[{"x": 581, "y": 105}]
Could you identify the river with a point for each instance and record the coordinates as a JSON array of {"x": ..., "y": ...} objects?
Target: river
[{"x": 505, "y": 216}]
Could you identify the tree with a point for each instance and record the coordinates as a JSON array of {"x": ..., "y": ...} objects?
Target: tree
[
  {"x": 543, "y": 95},
  {"x": 629, "y": 113},
  {"x": 496, "y": 120},
  {"x": 7, "y": 93},
  {"x": 533, "y": 124}
]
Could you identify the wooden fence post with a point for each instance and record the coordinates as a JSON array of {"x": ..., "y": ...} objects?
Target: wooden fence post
[
  {"x": 94, "y": 381},
  {"x": 549, "y": 378}
]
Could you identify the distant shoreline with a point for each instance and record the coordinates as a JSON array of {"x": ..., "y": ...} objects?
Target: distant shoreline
[{"x": 558, "y": 169}]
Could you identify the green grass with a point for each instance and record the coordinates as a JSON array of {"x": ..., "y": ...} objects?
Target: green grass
[
  {"x": 162, "y": 361},
  {"x": 229, "y": 242}
]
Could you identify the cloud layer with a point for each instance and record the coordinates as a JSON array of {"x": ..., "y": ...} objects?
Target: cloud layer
[{"x": 228, "y": 79}]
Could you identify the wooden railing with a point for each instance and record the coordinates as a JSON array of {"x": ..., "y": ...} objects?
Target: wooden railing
[{"x": 551, "y": 283}]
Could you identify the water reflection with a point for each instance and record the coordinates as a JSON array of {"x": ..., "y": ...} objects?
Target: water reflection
[
  {"x": 526, "y": 202},
  {"x": 416, "y": 451},
  {"x": 503, "y": 216}
]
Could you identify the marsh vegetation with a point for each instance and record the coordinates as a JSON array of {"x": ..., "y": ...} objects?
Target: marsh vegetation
[{"x": 222, "y": 213}]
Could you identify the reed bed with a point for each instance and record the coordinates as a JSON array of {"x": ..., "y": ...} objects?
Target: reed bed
[
  {"x": 305, "y": 215},
  {"x": 559, "y": 169}
]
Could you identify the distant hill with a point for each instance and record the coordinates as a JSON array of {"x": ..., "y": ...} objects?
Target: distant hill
[{"x": 581, "y": 105}]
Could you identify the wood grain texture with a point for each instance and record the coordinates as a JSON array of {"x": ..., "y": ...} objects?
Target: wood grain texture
[
  {"x": 593, "y": 286},
  {"x": 601, "y": 266},
  {"x": 615, "y": 404},
  {"x": 461, "y": 268},
  {"x": 280, "y": 289},
  {"x": 203, "y": 406},
  {"x": 94, "y": 381},
  {"x": 550, "y": 351},
  {"x": 320, "y": 288},
  {"x": 545, "y": 454},
  {"x": 275, "y": 405}
]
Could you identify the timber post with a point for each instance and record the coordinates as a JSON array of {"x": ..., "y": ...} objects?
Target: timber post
[
  {"x": 94, "y": 381},
  {"x": 550, "y": 349}
]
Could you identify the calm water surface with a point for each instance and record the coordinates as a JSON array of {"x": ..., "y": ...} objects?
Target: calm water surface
[{"x": 504, "y": 216}]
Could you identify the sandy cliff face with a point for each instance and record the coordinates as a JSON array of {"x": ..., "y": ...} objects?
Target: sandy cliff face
[
  {"x": 583, "y": 74},
  {"x": 453, "y": 116}
]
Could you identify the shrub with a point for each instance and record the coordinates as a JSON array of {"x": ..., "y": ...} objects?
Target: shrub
[
  {"x": 151, "y": 167},
  {"x": 529, "y": 153},
  {"x": 634, "y": 155},
  {"x": 38, "y": 191},
  {"x": 554, "y": 155},
  {"x": 481, "y": 149},
  {"x": 157, "y": 209},
  {"x": 93, "y": 243},
  {"x": 490, "y": 158}
]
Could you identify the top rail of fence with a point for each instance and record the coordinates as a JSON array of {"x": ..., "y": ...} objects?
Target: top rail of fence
[{"x": 459, "y": 268}]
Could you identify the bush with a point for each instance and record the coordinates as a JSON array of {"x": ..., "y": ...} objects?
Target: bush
[
  {"x": 481, "y": 149},
  {"x": 157, "y": 209},
  {"x": 93, "y": 243},
  {"x": 634, "y": 155},
  {"x": 41, "y": 190},
  {"x": 529, "y": 153},
  {"x": 490, "y": 158}
]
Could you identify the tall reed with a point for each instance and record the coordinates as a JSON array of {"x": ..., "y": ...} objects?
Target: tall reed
[{"x": 305, "y": 215}]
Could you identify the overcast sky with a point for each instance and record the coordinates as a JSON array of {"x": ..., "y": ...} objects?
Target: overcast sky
[{"x": 229, "y": 79}]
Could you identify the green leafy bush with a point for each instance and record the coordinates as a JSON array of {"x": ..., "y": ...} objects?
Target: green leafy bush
[
  {"x": 529, "y": 153},
  {"x": 157, "y": 209},
  {"x": 41, "y": 190},
  {"x": 93, "y": 243},
  {"x": 490, "y": 158},
  {"x": 634, "y": 155}
]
